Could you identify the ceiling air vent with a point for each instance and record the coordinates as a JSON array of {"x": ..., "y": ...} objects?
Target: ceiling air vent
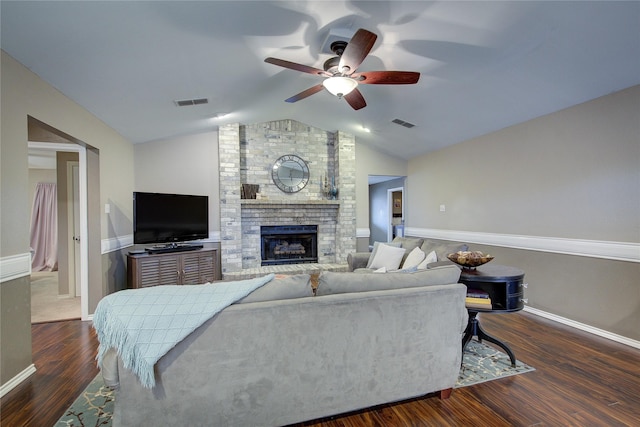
[
  {"x": 402, "y": 123},
  {"x": 185, "y": 102}
]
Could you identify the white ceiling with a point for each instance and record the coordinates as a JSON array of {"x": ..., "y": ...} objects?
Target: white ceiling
[{"x": 484, "y": 65}]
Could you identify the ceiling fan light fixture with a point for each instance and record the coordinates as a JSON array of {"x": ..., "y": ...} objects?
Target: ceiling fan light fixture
[{"x": 339, "y": 85}]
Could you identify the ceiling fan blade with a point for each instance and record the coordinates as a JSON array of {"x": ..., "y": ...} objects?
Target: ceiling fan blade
[
  {"x": 388, "y": 77},
  {"x": 355, "y": 99},
  {"x": 297, "y": 67},
  {"x": 305, "y": 93},
  {"x": 357, "y": 49}
]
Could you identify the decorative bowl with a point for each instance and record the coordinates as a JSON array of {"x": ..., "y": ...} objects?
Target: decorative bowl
[{"x": 469, "y": 259}]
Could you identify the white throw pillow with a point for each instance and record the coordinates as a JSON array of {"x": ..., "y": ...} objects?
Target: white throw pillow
[
  {"x": 381, "y": 270},
  {"x": 415, "y": 257},
  {"x": 432, "y": 257},
  {"x": 375, "y": 250},
  {"x": 388, "y": 257}
]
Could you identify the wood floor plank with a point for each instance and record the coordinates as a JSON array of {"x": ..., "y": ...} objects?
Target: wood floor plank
[
  {"x": 64, "y": 357},
  {"x": 580, "y": 380}
]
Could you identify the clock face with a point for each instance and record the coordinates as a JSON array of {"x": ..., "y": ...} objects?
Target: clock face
[{"x": 290, "y": 173}]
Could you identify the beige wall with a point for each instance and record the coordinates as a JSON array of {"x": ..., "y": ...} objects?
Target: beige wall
[
  {"x": 185, "y": 165},
  {"x": 574, "y": 174},
  {"x": 372, "y": 162},
  {"x": 24, "y": 94},
  {"x": 571, "y": 174}
]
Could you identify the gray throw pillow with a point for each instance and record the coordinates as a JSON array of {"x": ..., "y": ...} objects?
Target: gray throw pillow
[
  {"x": 288, "y": 287},
  {"x": 331, "y": 282}
]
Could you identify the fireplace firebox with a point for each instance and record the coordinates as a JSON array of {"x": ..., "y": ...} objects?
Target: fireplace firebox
[{"x": 289, "y": 244}]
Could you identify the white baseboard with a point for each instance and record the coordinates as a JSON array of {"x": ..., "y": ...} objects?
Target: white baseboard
[
  {"x": 583, "y": 327},
  {"x": 15, "y": 381}
]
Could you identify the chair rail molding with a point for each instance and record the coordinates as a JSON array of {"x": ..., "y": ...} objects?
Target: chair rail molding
[
  {"x": 620, "y": 251},
  {"x": 15, "y": 266},
  {"x": 363, "y": 232}
]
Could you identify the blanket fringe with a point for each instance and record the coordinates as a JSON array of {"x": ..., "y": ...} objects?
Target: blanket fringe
[{"x": 114, "y": 333}]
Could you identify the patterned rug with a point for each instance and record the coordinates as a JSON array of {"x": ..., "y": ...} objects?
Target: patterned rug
[{"x": 480, "y": 363}]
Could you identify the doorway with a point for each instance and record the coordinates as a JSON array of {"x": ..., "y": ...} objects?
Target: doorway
[
  {"x": 381, "y": 207},
  {"x": 52, "y": 298}
]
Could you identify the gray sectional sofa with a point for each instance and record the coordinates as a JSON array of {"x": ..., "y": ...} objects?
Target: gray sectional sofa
[{"x": 282, "y": 356}]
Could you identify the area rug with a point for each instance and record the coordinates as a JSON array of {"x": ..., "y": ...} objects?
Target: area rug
[{"x": 481, "y": 363}]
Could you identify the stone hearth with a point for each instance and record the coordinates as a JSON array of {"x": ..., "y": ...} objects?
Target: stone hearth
[{"x": 247, "y": 153}]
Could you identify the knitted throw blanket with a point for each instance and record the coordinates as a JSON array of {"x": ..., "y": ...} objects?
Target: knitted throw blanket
[{"x": 144, "y": 324}]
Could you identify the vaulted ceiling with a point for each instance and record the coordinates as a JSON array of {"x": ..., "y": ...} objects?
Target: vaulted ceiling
[{"x": 484, "y": 65}]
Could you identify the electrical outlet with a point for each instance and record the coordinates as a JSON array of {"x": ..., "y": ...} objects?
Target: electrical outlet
[{"x": 443, "y": 208}]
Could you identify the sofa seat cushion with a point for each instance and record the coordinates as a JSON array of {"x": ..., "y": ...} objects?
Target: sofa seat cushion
[
  {"x": 282, "y": 287},
  {"x": 331, "y": 282}
]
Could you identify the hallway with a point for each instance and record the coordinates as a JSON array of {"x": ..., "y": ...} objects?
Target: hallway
[{"x": 46, "y": 305}]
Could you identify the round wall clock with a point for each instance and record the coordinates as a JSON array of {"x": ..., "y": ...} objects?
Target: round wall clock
[{"x": 290, "y": 173}]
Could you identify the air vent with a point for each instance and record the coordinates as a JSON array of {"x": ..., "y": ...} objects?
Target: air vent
[
  {"x": 402, "y": 123},
  {"x": 186, "y": 102}
]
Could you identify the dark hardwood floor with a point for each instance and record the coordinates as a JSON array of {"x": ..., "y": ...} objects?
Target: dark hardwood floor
[{"x": 580, "y": 380}]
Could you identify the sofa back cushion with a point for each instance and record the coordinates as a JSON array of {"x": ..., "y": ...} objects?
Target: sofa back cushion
[
  {"x": 408, "y": 242},
  {"x": 442, "y": 248},
  {"x": 331, "y": 282},
  {"x": 282, "y": 287}
]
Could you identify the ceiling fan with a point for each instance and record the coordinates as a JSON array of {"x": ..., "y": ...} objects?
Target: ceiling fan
[{"x": 342, "y": 79}]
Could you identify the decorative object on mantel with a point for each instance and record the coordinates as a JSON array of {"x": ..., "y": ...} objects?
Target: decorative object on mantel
[
  {"x": 330, "y": 191},
  {"x": 469, "y": 259},
  {"x": 249, "y": 191},
  {"x": 290, "y": 173}
]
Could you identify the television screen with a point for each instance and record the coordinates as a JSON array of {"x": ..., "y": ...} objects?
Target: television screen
[{"x": 167, "y": 218}]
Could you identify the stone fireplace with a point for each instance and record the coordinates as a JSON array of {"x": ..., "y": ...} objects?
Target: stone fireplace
[
  {"x": 288, "y": 244},
  {"x": 246, "y": 155}
]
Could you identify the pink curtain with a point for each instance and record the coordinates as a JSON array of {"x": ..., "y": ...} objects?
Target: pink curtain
[{"x": 44, "y": 228}]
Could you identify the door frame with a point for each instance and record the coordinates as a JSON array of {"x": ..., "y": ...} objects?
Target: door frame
[{"x": 84, "y": 231}]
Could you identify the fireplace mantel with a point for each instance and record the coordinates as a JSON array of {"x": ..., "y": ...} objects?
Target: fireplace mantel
[{"x": 279, "y": 204}]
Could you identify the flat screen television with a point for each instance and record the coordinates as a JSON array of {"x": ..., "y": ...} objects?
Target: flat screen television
[{"x": 169, "y": 218}]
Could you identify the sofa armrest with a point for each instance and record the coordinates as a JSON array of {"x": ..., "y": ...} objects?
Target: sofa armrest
[{"x": 358, "y": 260}]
